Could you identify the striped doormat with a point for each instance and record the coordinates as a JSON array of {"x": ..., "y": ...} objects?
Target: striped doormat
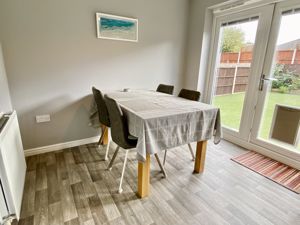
[{"x": 271, "y": 169}]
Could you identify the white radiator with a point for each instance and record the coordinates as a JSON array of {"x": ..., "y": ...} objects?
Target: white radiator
[{"x": 12, "y": 168}]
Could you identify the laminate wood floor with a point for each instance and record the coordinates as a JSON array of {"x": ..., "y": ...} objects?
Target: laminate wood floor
[{"x": 72, "y": 186}]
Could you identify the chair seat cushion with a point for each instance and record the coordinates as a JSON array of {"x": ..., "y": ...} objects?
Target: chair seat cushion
[{"x": 132, "y": 141}]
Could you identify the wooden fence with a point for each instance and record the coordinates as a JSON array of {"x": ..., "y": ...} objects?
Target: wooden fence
[{"x": 234, "y": 69}]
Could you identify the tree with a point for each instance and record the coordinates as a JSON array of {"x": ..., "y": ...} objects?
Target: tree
[{"x": 233, "y": 39}]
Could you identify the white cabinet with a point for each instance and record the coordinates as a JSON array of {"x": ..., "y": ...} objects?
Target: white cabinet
[{"x": 12, "y": 165}]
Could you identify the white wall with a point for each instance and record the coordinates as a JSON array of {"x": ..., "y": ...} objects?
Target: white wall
[
  {"x": 53, "y": 58},
  {"x": 5, "y": 103},
  {"x": 199, "y": 37}
]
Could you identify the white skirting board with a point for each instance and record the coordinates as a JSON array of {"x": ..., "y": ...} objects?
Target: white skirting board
[{"x": 60, "y": 146}]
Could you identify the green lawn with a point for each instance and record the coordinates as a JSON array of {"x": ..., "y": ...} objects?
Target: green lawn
[{"x": 231, "y": 109}]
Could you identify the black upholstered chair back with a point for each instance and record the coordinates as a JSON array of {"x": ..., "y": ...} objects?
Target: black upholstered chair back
[
  {"x": 101, "y": 107},
  {"x": 189, "y": 94},
  {"x": 119, "y": 125},
  {"x": 167, "y": 89}
]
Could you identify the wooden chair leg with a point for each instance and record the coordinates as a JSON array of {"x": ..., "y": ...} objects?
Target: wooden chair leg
[{"x": 160, "y": 165}]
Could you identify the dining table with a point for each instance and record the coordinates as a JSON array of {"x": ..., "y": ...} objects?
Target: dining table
[{"x": 162, "y": 121}]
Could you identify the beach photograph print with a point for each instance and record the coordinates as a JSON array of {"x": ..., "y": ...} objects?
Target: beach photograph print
[{"x": 116, "y": 27}]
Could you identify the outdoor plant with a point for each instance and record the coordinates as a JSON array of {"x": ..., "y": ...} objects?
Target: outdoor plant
[
  {"x": 285, "y": 79},
  {"x": 283, "y": 89}
]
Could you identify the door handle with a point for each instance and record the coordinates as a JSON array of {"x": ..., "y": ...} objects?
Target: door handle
[{"x": 263, "y": 78}]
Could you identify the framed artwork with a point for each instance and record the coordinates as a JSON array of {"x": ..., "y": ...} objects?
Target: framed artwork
[{"x": 116, "y": 27}]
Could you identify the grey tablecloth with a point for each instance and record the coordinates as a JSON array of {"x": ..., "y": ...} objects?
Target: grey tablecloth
[{"x": 162, "y": 121}]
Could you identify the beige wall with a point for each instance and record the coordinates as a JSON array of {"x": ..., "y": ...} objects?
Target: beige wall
[
  {"x": 5, "y": 103},
  {"x": 198, "y": 43},
  {"x": 53, "y": 58}
]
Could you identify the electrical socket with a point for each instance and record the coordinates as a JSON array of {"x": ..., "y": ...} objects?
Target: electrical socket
[{"x": 42, "y": 118}]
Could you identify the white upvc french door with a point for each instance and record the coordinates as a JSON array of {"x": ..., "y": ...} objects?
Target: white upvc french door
[
  {"x": 285, "y": 23},
  {"x": 222, "y": 72},
  {"x": 244, "y": 87}
]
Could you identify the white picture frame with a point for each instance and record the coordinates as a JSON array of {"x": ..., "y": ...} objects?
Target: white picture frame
[{"x": 116, "y": 27}]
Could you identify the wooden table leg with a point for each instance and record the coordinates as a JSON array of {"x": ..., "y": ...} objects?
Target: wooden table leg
[
  {"x": 144, "y": 177},
  {"x": 100, "y": 142},
  {"x": 105, "y": 135},
  {"x": 200, "y": 156}
]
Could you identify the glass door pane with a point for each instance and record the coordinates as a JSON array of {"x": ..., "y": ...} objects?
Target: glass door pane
[
  {"x": 233, "y": 68},
  {"x": 281, "y": 111}
]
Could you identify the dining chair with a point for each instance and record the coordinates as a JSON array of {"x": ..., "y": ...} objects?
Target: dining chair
[
  {"x": 167, "y": 89},
  {"x": 103, "y": 118},
  {"x": 120, "y": 135},
  {"x": 190, "y": 95}
]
